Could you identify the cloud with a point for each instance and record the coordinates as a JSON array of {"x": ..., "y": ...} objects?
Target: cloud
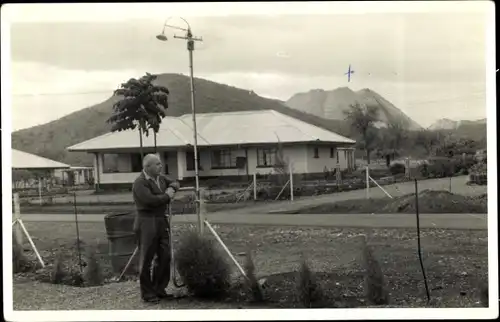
[
  {"x": 42, "y": 93},
  {"x": 106, "y": 12},
  {"x": 420, "y": 46}
]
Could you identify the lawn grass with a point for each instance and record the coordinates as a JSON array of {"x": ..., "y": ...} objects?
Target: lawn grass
[
  {"x": 430, "y": 202},
  {"x": 455, "y": 261}
]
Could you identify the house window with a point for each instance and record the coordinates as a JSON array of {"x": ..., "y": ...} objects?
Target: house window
[
  {"x": 135, "y": 162},
  {"x": 338, "y": 156},
  {"x": 190, "y": 160},
  {"x": 316, "y": 152},
  {"x": 223, "y": 159},
  {"x": 332, "y": 150},
  {"x": 266, "y": 157},
  {"x": 165, "y": 163}
]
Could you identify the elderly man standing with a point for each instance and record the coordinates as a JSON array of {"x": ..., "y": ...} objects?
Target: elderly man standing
[{"x": 152, "y": 192}]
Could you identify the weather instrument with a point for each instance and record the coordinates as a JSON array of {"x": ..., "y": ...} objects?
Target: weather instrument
[{"x": 349, "y": 73}]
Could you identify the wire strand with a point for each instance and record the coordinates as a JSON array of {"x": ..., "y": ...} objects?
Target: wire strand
[{"x": 66, "y": 94}]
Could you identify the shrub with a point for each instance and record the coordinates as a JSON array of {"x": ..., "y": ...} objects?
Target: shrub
[
  {"x": 202, "y": 267},
  {"x": 20, "y": 263},
  {"x": 375, "y": 291},
  {"x": 92, "y": 274},
  {"x": 397, "y": 168},
  {"x": 308, "y": 289},
  {"x": 57, "y": 275},
  {"x": 423, "y": 169},
  {"x": 252, "y": 282},
  {"x": 65, "y": 274},
  {"x": 440, "y": 167}
]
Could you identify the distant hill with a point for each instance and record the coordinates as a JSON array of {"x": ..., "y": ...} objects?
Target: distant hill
[
  {"x": 51, "y": 140},
  {"x": 447, "y": 124},
  {"x": 443, "y": 124},
  {"x": 332, "y": 104},
  {"x": 474, "y": 130}
]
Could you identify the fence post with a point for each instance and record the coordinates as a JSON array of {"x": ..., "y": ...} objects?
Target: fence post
[
  {"x": 255, "y": 187},
  {"x": 40, "y": 191},
  {"x": 338, "y": 177},
  {"x": 17, "y": 215},
  {"x": 291, "y": 180},
  {"x": 407, "y": 168},
  {"x": 367, "y": 182},
  {"x": 201, "y": 211}
]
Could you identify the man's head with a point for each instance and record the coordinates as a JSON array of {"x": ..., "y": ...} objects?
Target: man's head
[{"x": 152, "y": 165}]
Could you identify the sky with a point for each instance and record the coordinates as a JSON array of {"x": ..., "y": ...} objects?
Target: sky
[{"x": 427, "y": 59}]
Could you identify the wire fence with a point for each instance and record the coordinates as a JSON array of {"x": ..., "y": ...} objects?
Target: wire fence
[{"x": 89, "y": 238}]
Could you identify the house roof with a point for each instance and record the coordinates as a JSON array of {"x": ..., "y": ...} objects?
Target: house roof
[
  {"x": 24, "y": 160},
  {"x": 218, "y": 129}
]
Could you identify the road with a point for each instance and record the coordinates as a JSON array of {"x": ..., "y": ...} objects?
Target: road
[
  {"x": 457, "y": 184},
  {"x": 438, "y": 221}
]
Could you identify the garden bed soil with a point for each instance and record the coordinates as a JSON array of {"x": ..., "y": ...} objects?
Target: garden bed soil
[
  {"x": 429, "y": 202},
  {"x": 456, "y": 263}
]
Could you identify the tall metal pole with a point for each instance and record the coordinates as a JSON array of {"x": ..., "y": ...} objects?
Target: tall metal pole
[{"x": 190, "y": 47}]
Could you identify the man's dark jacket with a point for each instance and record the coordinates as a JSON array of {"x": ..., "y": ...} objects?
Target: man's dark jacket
[{"x": 150, "y": 200}]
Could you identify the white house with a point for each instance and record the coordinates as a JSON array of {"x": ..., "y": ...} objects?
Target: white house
[
  {"x": 44, "y": 168},
  {"x": 75, "y": 175},
  {"x": 229, "y": 144}
]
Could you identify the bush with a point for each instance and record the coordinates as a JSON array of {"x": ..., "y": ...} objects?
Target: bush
[
  {"x": 92, "y": 274},
  {"x": 375, "y": 291},
  {"x": 440, "y": 167},
  {"x": 20, "y": 263},
  {"x": 57, "y": 275},
  {"x": 65, "y": 274},
  {"x": 202, "y": 267},
  {"x": 397, "y": 168},
  {"x": 252, "y": 282},
  {"x": 308, "y": 289}
]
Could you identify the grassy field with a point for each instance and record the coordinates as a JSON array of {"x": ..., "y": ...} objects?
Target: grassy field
[{"x": 455, "y": 262}]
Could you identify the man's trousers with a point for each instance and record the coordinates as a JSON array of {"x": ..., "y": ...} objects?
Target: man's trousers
[{"x": 153, "y": 239}]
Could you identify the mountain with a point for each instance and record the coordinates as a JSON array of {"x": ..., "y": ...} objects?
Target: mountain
[
  {"x": 50, "y": 140},
  {"x": 447, "y": 124},
  {"x": 444, "y": 124},
  {"x": 474, "y": 130},
  {"x": 332, "y": 104}
]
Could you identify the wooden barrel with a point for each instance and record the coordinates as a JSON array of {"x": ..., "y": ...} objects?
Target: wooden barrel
[{"x": 122, "y": 241}]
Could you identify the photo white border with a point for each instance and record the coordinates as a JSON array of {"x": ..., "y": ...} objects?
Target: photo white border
[{"x": 48, "y": 12}]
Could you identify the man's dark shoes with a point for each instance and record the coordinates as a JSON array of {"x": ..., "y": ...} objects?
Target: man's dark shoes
[
  {"x": 151, "y": 299},
  {"x": 164, "y": 296}
]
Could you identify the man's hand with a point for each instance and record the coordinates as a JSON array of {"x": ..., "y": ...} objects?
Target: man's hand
[
  {"x": 176, "y": 185},
  {"x": 170, "y": 192}
]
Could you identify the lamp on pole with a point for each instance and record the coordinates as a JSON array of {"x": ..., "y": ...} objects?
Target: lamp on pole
[{"x": 190, "y": 47}]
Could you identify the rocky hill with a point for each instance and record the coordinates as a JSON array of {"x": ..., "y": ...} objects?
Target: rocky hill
[
  {"x": 474, "y": 130},
  {"x": 50, "y": 140},
  {"x": 332, "y": 104},
  {"x": 447, "y": 124}
]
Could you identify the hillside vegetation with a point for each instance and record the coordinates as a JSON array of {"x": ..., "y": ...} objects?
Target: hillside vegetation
[{"x": 50, "y": 140}]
